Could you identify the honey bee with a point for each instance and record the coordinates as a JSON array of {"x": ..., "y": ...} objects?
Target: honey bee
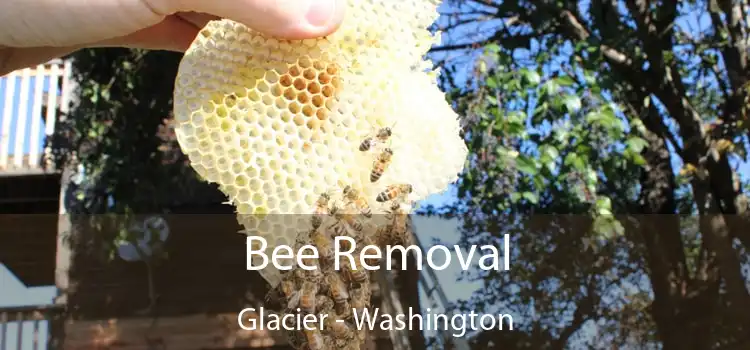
[
  {"x": 315, "y": 275},
  {"x": 323, "y": 243},
  {"x": 380, "y": 164},
  {"x": 347, "y": 344},
  {"x": 360, "y": 297},
  {"x": 343, "y": 310},
  {"x": 382, "y": 135},
  {"x": 358, "y": 275},
  {"x": 339, "y": 328},
  {"x": 346, "y": 218},
  {"x": 321, "y": 209},
  {"x": 287, "y": 287},
  {"x": 296, "y": 338},
  {"x": 361, "y": 337},
  {"x": 365, "y": 240},
  {"x": 293, "y": 301},
  {"x": 399, "y": 226},
  {"x": 315, "y": 340},
  {"x": 393, "y": 192},
  {"x": 358, "y": 201},
  {"x": 307, "y": 296},
  {"x": 337, "y": 287},
  {"x": 381, "y": 236},
  {"x": 324, "y": 304},
  {"x": 301, "y": 240}
]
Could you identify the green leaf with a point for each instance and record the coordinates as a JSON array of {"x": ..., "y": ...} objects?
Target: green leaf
[
  {"x": 593, "y": 117},
  {"x": 558, "y": 105},
  {"x": 531, "y": 197},
  {"x": 572, "y": 103},
  {"x": 492, "y": 82},
  {"x": 607, "y": 227},
  {"x": 492, "y": 48},
  {"x": 551, "y": 87},
  {"x": 531, "y": 77},
  {"x": 591, "y": 176},
  {"x": 603, "y": 206},
  {"x": 515, "y": 196},
  {"x": 575, "y": 161},
  {"x": 551, "y": 152},
  {"x": 516, "y": 117},
  {"x": 636, "y": 143},
  {"x": 565, "y": 81},
  {"x": 639, "y": 160},
  {"x": 589, "y": 77},
  {"x": 526, "y": 165}
]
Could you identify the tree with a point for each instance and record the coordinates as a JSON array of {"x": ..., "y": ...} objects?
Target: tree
[
  {"x": 604, "y": 138},
  {"x": 118, "y": 143}
]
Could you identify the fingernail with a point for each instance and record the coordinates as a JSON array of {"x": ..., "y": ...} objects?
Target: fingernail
[{"x": 320, "y": 12}]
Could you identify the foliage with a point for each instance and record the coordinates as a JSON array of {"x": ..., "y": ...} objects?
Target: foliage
[
  {"x": 583, "y": 118},
  {"x": 117, "y": 142}
]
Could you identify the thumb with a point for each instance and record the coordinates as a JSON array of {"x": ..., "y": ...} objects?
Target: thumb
[{"x": 285, "y": 19}]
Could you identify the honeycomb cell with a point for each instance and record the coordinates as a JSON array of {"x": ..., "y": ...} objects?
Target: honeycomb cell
[
  {"x": 223, "y": 164},
  {"x": 303, "y": 98},
  {"x": 308, "y": 111},
  {"x": 324, "y": 78},
  {"x": 280, "y": 240},
  {"x": 313, "y": 87},
  {"x": 286, "y": 156},
  {"x": 268, "y": 100},
  {"x": 294, "y": 71},
  {"x": 294, "y": 107},
  {"x": 304, "y": 62},
  {"x": 309, "y": 74},
  {"x": 322, "y": 114},
  {"x": 271, "y": 77},
  {"x": 238, "y": 168},
  {"x": 241, "y": 180},
  {"x": 286, "y": 80},
  {"x": 253, "y": 95},
  {"x": 300, "y": 84},
  {"x": 255, "y": 184},
  {"x": 227, "y": 178},
  {"x": 317, "y": 101},
  {"x": 290, "y": 94},
  {"x": 257, "y": 199},
  {"x": 273, "y": 202},
  {"x": 277, "y": 90},
  {"x": 281, "y": 104}
]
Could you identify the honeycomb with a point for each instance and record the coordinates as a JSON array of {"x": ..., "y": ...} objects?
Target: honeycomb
[{"x": 277, "y": 123}]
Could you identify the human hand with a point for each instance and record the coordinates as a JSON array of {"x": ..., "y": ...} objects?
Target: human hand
[{"x": 35, "y": 31}]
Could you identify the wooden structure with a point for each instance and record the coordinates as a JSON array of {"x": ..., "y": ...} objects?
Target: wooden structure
[{"x": 104, "y": 304}]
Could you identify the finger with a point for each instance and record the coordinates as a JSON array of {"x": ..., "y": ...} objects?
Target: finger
[
  {"x": 288, "y": 19},
  {"x": 13, "y": 58},
  {"x": 197, "y": 19},
  {"x": 171, "y": 34},
  {"x": 42, "y": 23}
]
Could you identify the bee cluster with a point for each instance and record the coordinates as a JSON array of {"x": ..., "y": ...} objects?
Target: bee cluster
[{"x": 337, "y": 293}]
